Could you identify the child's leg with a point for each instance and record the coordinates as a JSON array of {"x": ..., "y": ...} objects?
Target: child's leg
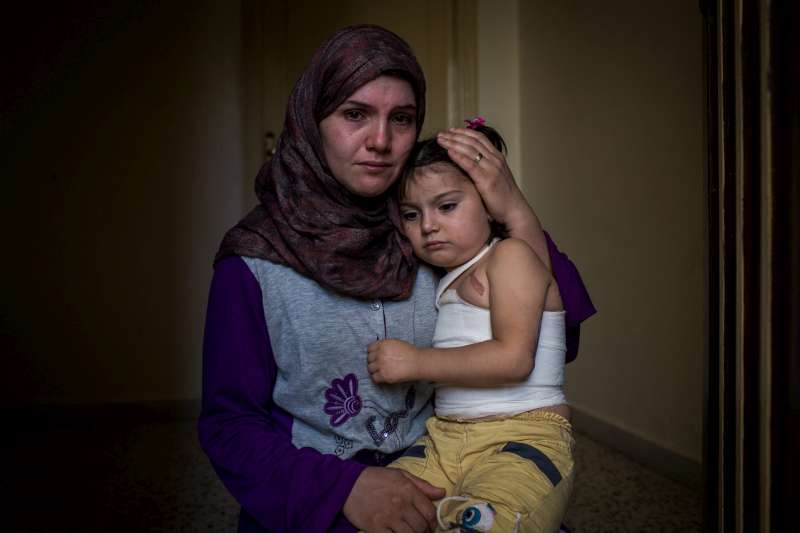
[
  {"x": 423, "y": 459},
  {"x": 524, "y": 485}
]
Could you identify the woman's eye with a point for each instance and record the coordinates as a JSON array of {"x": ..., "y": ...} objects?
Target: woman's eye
[
  {"x": 409, "y": 216},
  {"x": 449, "y": 206},
  {"x": 403, "y": 119},
  {"x": 353, "y": 114}
]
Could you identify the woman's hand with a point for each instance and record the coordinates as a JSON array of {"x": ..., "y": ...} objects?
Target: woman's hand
[
  {"x": 495, "y": 183},
  {"x": 392, "y": 361},
  {"x": 489, "y": 172},
  {"x": 387, "y": 499}
]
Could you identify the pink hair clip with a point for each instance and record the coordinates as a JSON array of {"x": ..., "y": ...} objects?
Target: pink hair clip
[{"x": 475, "y": 122}]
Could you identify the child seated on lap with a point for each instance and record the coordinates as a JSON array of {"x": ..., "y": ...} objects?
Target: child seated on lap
[{"x": 500, "y": 442}]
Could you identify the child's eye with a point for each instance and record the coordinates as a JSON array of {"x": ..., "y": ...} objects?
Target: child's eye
[
  {"x": 403, "y": 119},
  {"x": 449, "y": 206},
  {"x": 353, "y": 114},
  {"x": 409, "y": 216}
]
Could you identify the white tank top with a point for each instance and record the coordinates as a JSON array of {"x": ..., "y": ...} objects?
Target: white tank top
[{"x": 460, "y": 323}]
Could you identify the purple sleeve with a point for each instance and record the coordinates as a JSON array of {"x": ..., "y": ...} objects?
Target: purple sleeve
[
  {"x": 248, "y": 438},
  {"x": 577, "y": 302}
]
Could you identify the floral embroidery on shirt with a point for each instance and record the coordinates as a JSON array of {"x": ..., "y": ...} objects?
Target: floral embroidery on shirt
[{"x": 343, "y": 401}]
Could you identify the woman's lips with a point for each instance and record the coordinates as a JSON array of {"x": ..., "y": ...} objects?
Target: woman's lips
[{"x": 374, "y": 166}]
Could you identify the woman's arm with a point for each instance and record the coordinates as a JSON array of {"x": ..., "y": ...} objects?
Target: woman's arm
[
  {"x": 518, "y": 283},
  {"x": 246, "y": 437}
]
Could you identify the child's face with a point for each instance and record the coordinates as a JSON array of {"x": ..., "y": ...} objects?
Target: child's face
[{"x": 443, "y": 216}]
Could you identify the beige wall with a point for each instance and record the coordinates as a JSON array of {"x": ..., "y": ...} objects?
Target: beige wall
[
  {"x": 611, "y": 120},
  {"x": 498, "y": 73},
  {"x": 123, "y": 155}
]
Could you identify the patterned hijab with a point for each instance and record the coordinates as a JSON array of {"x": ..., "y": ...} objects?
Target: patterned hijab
[{"x": 306, "y": 219}]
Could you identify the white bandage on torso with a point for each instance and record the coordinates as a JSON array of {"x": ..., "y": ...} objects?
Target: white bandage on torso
[{"x": 460, "y": 323}]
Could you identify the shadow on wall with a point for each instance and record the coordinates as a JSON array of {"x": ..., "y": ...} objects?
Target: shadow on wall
[{"x": 121, "y": 134}]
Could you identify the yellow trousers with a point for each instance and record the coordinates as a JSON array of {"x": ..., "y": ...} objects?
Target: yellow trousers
[{"x": 509, "y": 474}]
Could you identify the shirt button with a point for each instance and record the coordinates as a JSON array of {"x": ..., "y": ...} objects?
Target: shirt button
[{"x": 376, "y": 305}]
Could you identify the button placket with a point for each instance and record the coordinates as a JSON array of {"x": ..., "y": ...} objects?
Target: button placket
[{"x": 377, "y": 305}]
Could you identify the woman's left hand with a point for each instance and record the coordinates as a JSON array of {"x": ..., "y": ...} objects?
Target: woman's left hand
[{"x": 489, "y": 171}]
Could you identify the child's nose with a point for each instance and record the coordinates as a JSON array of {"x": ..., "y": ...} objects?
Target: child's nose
[{"x": 429, "y": 224}]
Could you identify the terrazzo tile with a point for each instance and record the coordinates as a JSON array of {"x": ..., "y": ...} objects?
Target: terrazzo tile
[
  {"x": 614, "y": 494},
  {"x": 155, "y": 478}
]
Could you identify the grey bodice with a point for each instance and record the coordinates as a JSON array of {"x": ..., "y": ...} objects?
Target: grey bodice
[{"x": 320, "y": 344}]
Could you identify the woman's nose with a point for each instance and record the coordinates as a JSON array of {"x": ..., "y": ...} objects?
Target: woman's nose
[{"x": 380, "y": 137}]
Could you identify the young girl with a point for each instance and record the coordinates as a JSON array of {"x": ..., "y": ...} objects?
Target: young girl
[{"x": 500, "y": 443}]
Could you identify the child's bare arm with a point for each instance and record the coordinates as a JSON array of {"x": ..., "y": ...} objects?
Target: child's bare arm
[{"x": 518, "y": 283}]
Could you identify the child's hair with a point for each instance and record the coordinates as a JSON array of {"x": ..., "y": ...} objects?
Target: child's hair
[{"x": 429, "y": 152}]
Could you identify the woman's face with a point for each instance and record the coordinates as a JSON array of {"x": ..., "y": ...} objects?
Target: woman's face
[{"x": 368, "y": 137}]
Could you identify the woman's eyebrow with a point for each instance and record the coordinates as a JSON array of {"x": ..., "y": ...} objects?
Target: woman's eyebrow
[{"x": 403, "y": 107}]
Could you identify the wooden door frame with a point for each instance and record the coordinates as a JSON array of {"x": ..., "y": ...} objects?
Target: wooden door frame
[{"x": 752, "y": 400}]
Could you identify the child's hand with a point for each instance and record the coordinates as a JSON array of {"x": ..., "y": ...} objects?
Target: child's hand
[{"x": 392, "y": 361}]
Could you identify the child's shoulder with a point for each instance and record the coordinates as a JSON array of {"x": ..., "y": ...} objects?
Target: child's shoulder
[
  {"x": 515, "y": 254},
  {"x": 514, "y": 248}
]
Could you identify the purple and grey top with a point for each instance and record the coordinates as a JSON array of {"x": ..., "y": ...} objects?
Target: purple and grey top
[{"x": 289, "y": 416}]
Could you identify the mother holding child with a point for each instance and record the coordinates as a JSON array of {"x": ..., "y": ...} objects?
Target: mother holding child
[{"x": 323, "y": 349}]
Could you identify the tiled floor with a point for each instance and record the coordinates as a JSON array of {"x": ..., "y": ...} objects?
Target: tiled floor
[
  {"x": 154, "y": 477},
  {"x": 614, "y": 494}
]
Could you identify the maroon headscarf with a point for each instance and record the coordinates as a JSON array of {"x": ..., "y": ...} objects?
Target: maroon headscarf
[{"x": 306, "y": 219}]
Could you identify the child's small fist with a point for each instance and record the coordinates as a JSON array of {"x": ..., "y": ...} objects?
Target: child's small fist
[{"x": 392, "y": 361}]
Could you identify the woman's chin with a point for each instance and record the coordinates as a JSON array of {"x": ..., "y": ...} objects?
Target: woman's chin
[{"x": 370, "y": 188}]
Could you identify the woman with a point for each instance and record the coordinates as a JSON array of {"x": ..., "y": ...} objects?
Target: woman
[{"x": 291, "y": 420}]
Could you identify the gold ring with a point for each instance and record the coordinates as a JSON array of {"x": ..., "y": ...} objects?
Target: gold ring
[{"x": 478, "y": 158}]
